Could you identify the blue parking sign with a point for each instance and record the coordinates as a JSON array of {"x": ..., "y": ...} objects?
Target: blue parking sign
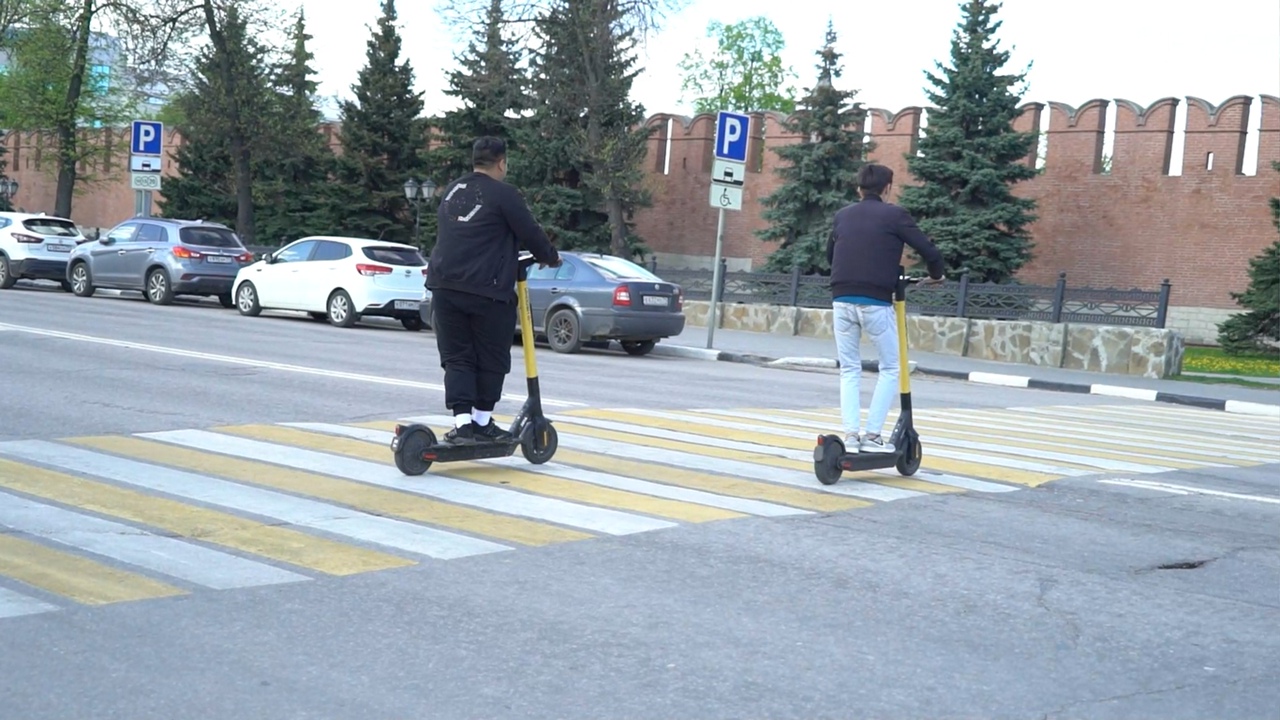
[
  {"x": 731, "y": 136},
  {"x": 148, "y": 138}
]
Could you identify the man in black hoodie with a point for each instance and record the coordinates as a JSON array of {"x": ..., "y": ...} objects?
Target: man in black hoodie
[
  {"x": 865, "y": 252},
  {"x": 483, "y": 225}
]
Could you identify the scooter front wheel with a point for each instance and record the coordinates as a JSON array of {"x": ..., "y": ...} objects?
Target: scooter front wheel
[
  {"x": 539, "y": 442},
  {"x": 826, "y": 459},
  {"x": 909, "y": 461},
  {"x": 409, "y": 448}
]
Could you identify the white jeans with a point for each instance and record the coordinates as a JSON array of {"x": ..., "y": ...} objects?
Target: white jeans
[{"x": 881, "y": 325}]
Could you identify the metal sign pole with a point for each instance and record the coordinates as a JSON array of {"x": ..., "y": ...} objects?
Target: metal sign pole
[{"x": 716, "y": 279}]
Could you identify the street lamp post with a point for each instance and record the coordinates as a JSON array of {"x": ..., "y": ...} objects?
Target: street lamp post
[{"x": 416, "y": 193}]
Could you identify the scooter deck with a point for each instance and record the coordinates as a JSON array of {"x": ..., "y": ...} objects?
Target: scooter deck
[
  {"x": 853, "y": 462},
  {"x": 445, "y": 452}
]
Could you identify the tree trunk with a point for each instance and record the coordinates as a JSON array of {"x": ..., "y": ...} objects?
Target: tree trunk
[
  {"x": 66, "y": 123},
  {"x": 239, "y": 143}
]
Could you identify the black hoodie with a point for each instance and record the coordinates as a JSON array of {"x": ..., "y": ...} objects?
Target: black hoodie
[
  {"x": 865, "y": 248},
  {"x": 483, "y": 225}
]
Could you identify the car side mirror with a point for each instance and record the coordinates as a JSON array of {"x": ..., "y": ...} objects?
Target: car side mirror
[{"x": 106, "y": 240}]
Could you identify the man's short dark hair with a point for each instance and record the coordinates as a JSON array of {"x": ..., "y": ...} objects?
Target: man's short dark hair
[
  {"x": 487, "y": 152},
  {"x": 873, "y": 179}
]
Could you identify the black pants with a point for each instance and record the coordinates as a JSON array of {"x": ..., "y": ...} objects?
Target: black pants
[{"x": 474, "y": 336}]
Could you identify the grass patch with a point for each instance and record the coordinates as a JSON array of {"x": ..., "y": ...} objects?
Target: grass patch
[
  {"x": 1226, "y": 380},
  {"x": 1214, "y": 360}
]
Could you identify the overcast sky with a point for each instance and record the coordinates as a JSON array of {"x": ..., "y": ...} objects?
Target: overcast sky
[{"x": 1139, "y": 50}]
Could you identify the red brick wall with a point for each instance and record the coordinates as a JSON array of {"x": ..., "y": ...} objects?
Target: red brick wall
[{"x": 1131, "y": 227}]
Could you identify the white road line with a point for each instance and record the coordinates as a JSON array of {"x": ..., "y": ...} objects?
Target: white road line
[
  {"x": 1242, "y": 407},
  {"x": 1186, "y": 430},
  {"x": 333, "y": 519},
  {"x": 165, "y": 555},
  {"x": 266, "y": 364},
  {"x": 13, "y": 604},
  {"x": 566, "y": 472},
  {"x": 1219, "y": 422},
  {"x": 721, "y": 466},
  {"x": 1188, "y": 490},
  {"x": 612, "y": 522}
]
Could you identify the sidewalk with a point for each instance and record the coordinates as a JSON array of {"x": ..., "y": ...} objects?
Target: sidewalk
[{"x": 794, "y": 351}]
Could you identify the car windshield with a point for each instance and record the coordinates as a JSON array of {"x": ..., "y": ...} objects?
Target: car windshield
[
  {"x": 209, "y": 237},
  {"x": 52, "y": 226},
  {"x": 619, "y": 269},
  {"x": 395, "y": 256}
]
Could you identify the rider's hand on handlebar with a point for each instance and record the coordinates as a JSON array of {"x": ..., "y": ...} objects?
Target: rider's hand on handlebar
[{"x": 926, "y": 280}]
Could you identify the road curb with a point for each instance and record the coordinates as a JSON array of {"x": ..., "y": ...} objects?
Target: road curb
[{"x": 1239, "y": 407}]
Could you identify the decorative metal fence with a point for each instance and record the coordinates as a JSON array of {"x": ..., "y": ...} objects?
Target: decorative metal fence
[{"x": 958, "y": 298}]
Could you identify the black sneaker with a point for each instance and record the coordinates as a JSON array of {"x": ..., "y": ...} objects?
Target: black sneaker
[
  {"x": 491, "y": 432},
  {"x": 464, "y": 435}
]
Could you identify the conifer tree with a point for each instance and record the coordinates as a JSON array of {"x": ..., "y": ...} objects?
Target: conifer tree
[
  {"x": 820, "y": 172},
  {"x": 383, "y": 139},
  {"x": 585, "y": 147},
  {"x": 492, "y": 91},
  {"x": 1257, "y": 329},
  {"x": 5, "y": 205},
  {"x": 294, "y": 192},
  {"x": 970, "y": 157}
]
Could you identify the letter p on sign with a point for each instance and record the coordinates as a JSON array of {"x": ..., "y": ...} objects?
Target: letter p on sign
[
  {"x": 148, "y": 137},
  {"x": 731, "y": 136}
]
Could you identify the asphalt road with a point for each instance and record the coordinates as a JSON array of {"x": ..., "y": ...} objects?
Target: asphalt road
[{"x": 199, "y": 518}]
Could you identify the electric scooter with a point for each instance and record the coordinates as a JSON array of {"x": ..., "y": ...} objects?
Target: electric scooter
[
  {"x": 416, "y": 447},
  {"x": 830, "y": 458}
]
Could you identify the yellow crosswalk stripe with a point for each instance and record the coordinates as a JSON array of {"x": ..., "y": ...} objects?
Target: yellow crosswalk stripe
[
  {"x": 479, "y": 472},
  {"x": 369, "y": 498},
  {"x": 297, "y": 548},
  {"x": 79, "y": 579},
  {"x": 693, "y": 479}
]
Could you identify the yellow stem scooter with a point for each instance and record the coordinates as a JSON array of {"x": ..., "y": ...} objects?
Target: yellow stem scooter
[
  {"x": 416, "y": 447},
  {"x": 830, "y": 458}
]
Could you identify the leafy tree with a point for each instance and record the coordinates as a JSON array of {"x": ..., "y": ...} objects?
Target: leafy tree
[
  {"x": 1257, "y": 329},
  {"x": 383, "y": 137},
  {"x": 52, "y": 84},
  {"x": 820, "y": 172},
  {"x": 492, "y": 90},
  {"x": 226, "y": 114},
  {"x": 586, "y": 145},
  {"x": 745, "y": 73},
  {"x": 294, "y": 193},
  {"x": 971, "y": 156}
]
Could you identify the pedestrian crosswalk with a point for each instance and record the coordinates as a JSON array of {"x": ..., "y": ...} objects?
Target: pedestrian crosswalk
[{"x": 162, "y": 515}]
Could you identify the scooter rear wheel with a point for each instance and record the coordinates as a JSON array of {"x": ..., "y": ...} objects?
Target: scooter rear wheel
[
  {"x": 909, "y": 461},
  {"x": 539, "y": 442},
  {"x": 826, "y": 460},
  {"x": 409, "y": 450}
]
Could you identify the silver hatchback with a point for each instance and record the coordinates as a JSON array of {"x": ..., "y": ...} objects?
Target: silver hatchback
[{"x": 161, "y": 257}]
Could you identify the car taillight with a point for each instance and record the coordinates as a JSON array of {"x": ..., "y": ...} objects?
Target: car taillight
[
  {"x": 424, "y": 272},
  {"x": 31, "y": 239},
  {"x": 679, "y": 298},
  {"x": 621, "y": 295},
  {"x": 186, "y": 253},
  {"x": 371, "y": 270},
  {"x": 244, "y": 257}
]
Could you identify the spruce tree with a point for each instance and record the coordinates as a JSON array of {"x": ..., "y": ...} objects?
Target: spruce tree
[
  {"x": 5, "y": 205},
  {"x": 1257, "y": 329},
  {"x": 294, "y": 192},
  {"x": 492, "y": 92},
  {"x": 820, "y": 172},
  {"x": 970, "y": 157},
  {"x": 383, "y": 139}
]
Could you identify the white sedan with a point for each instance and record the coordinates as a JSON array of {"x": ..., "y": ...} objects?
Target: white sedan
[{"x": 336, "y": 278}]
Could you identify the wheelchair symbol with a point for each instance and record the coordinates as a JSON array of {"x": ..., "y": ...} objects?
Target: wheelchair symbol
[{"x": 725, "y": 200}]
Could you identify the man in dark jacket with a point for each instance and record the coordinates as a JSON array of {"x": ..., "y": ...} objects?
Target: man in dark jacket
[
  {"x": 865, "y": 252},
  {"x": 483, "y": 224}
]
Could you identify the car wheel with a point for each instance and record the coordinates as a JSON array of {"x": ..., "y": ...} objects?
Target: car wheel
[
  {"x": 81, "y": 283},
  {"x": 159, "y": 291},
  {"x": 226, "y": 300},
  {"x": 412, "y": 324},
  {"x": 562, "y": 332},
  {"x": 247, "y": 300},
  {"x": 341, "y": 312},
  {"x": 7, "y": 279},
  {"x": 639, "y": 347}
]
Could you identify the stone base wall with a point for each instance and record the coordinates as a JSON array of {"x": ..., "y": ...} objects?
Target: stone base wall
[
  {"x": 1198, "y": 325},
  {"x": 1144, "y": 352}
]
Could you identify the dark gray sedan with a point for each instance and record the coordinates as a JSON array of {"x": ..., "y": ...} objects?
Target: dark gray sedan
[{"x": 592, "y": 299}]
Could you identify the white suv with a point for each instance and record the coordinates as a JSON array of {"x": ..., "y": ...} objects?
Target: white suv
[{"x": 36, "y": 247}]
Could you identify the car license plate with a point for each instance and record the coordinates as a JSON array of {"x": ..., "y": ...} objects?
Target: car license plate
[
  {"x": 218, "y": 258},
  {"x": 407, "y": 304},
  {"x": 659, "y": 300},
  {"x": 57, "y": 248}
]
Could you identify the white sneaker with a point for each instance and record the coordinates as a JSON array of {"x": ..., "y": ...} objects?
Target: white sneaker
[
  {"x": 875, "y": 444},
  {"x": 852, "y": 442}
]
